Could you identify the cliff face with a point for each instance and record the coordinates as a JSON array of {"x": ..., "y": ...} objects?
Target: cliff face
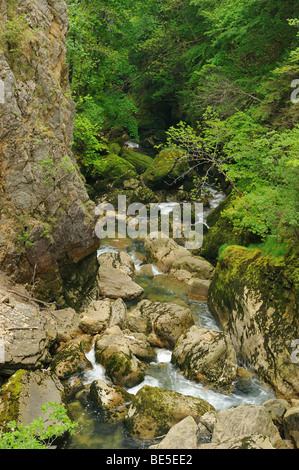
[
  {"x": 255, "y": 299},
  {"x": 47, "y": 223}
]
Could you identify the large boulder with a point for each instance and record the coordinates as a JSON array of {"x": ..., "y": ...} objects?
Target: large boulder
[
  {"x": 167, "y": 168},
  {"x": 71, "y": 359},
  {"x": 162, "y": 322},
  {"x": 163, "y": 252},
  {"x": 114, "y": 276},
  {"x": 206, "y": 356},
  {"x": 112, "y": 402},
  {"x": 154, "y": 411},
  {"x": 183, "y": 435},
  {"x": 291, "y": 425},
  {"x": 140, "y": 161},
  {"x": 122, "y": 355},
  {"x": 254, "y": 298},
  {"x": 25, "y": 392},
  {"x": 26, "y": 334},
  {"x": 96, "y": 317},
  {"x": 277, "y": 408},
  {"x": 195, "y": 265},
  {"x": 243, "y": 421}
]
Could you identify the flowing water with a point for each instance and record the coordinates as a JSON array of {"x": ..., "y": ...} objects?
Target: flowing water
[{"x": 158, "y": 287}]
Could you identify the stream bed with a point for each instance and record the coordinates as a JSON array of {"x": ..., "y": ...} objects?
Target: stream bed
[{"x": 94, "y": 433}]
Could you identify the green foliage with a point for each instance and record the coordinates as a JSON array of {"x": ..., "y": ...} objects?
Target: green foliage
[
  {"x": 87, "y": 143},
  {"x": 38, "y": 435},
  {"x": 218, "y": 74},
  {"x": 15, "y": 35}
]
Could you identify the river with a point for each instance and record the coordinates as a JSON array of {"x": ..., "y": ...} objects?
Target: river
[{"x": 94, "y": 433}]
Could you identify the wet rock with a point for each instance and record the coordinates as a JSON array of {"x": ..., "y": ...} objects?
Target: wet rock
[
  {"x": 114, "y": 275},
  {"x": 277, "y": 409},
  {"x": 72, "y": 386},
  {"x": 113, "y": 402},
  {"x": 25, "y": 392},
  {"x": 163, "y": 252},
  {"x": 96, "y": 317},
  {"x": 242, "y": 421},
  {"x": 162, "y": 322},
  {"x": 183, "y": 435},
  {"x": 206, "y": 356},
  {"x": 116, "y": 352},
  {"x": 291, "y": 425},
  {"x": 199, "y": 290},
  {"x": 154, "y": 411},
  {"x": 254, "y": 299},
  {"x": 71, "y": 359}
]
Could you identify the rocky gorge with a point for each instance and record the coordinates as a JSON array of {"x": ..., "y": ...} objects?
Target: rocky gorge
[{"x": 146, "y": 343}]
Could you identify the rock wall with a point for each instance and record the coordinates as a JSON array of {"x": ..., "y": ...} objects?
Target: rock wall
[
  {"x": 255, "y": 299},
  {"x": 46, "y": 218}
]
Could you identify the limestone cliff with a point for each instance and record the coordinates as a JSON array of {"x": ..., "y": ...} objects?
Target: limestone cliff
[
  {"x": 47, "y": 223},
  {"x": 255, "y": 298}
]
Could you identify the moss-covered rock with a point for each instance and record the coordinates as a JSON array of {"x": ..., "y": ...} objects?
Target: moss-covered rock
[
  {"x": 140, "y": 161},
  {"x": 111, "y": 171},
  {"x": 114, "y": 148},
  {"x": 223, "y": 232},
  {"x": 138, "y": 194},
  {"x": 166, "y": 169},
  {"x": 255, "y": 299},
  {"x": 22, "y": 396},
  {"x": 71, "y": 359},
  {"x": 206, "y": 356},
  {"x": 154, "y": 411},
  {"x": 114, "y": 350},
  {"x": 112, "y": 402}
]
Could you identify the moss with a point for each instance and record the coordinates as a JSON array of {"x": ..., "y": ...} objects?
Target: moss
[
  {"x": 118, "y": 362},
  {"x": 166, "y": 169},
  {"x": 223, "y": 232},
  {"x": 9, "y": 397},
  {"x": 111, "y": 171},
  {"x": 140, "y": 161},
  {"x": 156, "y": 410},
  {"x": 114, "y": 148},
  {"x": 246, "y": 282},
  {"x": 140, "y": 194}
]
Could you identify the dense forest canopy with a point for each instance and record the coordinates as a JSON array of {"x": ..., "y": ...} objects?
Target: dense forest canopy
[{"x": 216, "y": 73}]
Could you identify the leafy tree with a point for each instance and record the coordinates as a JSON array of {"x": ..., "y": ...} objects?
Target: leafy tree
[{"x": 38, "y": 435}]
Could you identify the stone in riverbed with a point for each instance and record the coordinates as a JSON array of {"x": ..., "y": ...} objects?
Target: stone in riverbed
[
  {"x": 154, "y": 411},
  {"x": 206, "y": 356},
  {"x": 121, "y": 355},
  {"x": 114, "y": 275},
  {"x": 164, "y": 252},
  {"x": 277, "y": 408},
  {"x": 96, "y": 317},
  {"x": 71, "y": 359},
  {"x": 162, "y": 322},
  {"x": 183, "y": 435},
  {"x": 113, "y": 402},
  {"x": 22, "y": 396},
  {"x": 243, "y": 421},
  {"x": 291, "y": 425}
]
